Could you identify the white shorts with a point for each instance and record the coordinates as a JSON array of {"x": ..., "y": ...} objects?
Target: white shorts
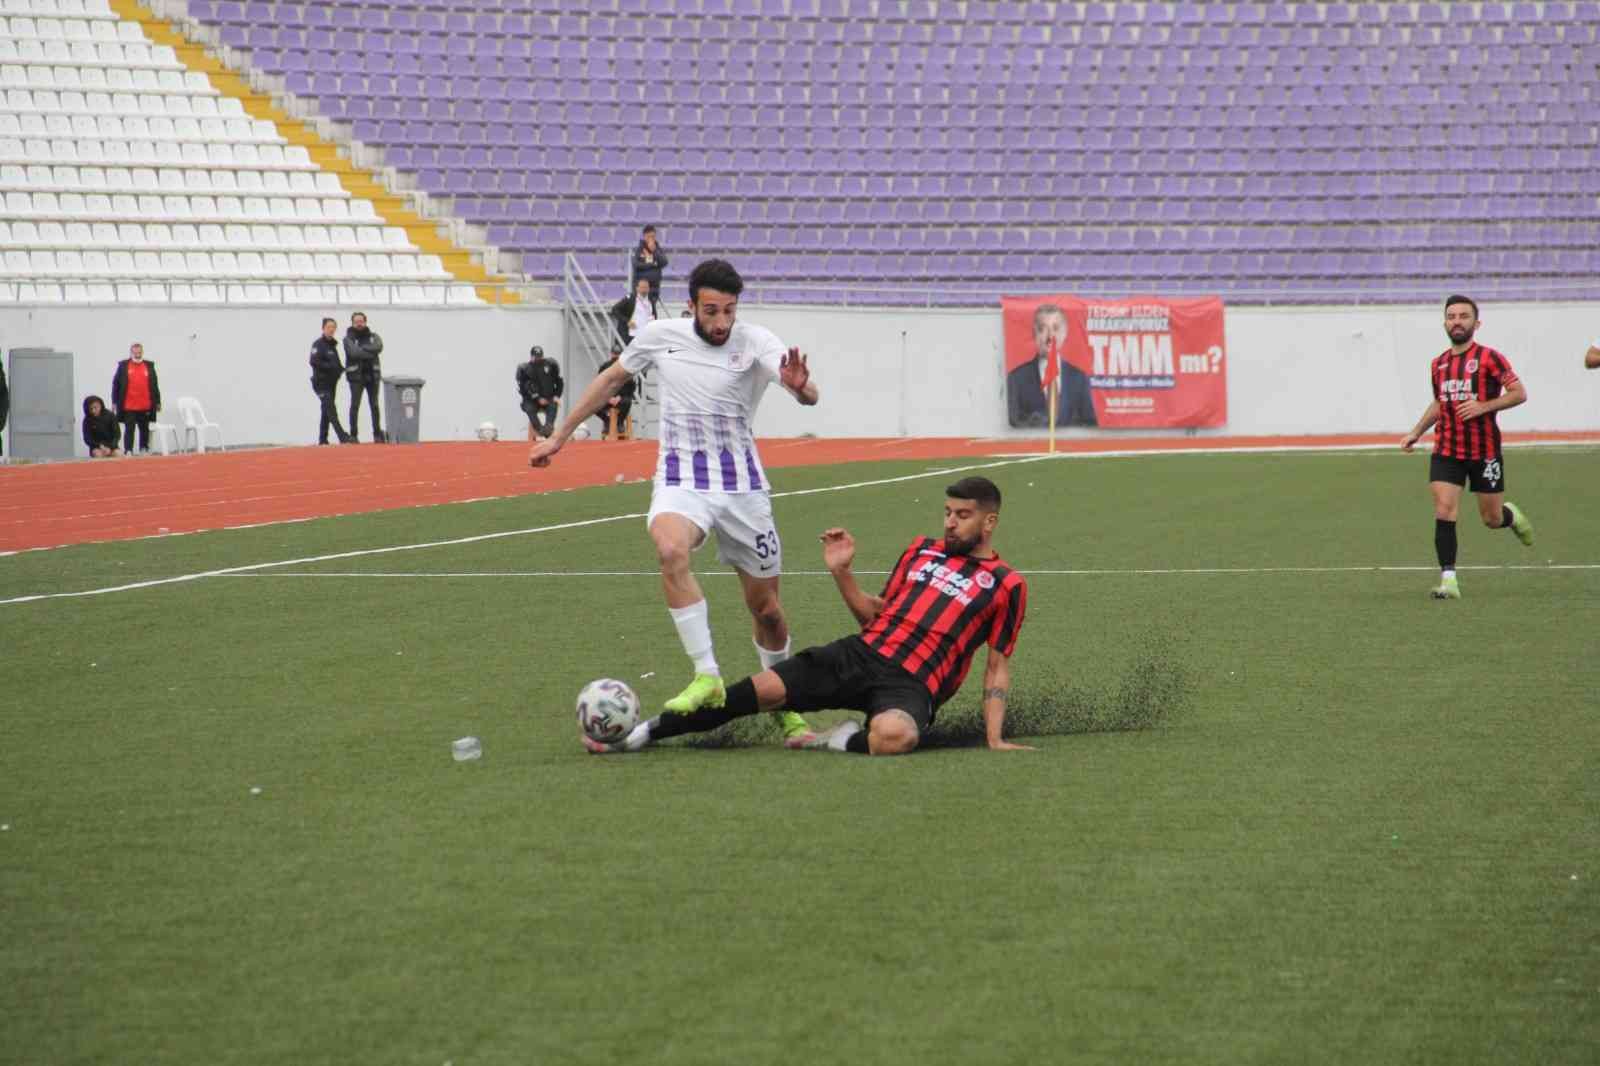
[{"x": 747, "y": 537}]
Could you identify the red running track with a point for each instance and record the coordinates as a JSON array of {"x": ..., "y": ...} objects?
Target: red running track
[{"x": 54, "y": 504}]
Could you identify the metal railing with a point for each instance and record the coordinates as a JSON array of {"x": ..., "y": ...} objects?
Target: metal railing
[{"x": 588, "y": 329}]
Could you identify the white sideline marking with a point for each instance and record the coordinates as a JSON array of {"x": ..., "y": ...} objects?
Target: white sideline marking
[
  {"x": 1132, "y": 572},
  {"x": 231, "y": 571}
]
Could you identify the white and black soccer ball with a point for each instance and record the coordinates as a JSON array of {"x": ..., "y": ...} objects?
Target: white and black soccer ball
[
  {"x": 488, "y": 431},
  {"x": 607, "y": 710},
  {"x": 581, "y": 433}
]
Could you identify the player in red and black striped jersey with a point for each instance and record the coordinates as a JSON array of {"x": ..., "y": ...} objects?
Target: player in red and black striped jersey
[
  {"x": 943, "y": 600},
  {"x": 1470, "y": 383}
]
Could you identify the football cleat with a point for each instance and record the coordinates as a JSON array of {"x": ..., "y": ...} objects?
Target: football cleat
[
  {"x": 1520, "y": 524},
  {"x": 704, "y": 691},
  {"x": 796, "y": 731},
  {"x": 636, "y": 740},
  {"x": 1448, "y": 589}
]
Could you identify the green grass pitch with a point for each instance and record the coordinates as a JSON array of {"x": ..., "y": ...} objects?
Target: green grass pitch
[{"x": 1286, "y": 811}]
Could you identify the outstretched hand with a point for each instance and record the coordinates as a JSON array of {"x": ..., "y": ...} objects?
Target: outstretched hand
[
  {"x": 792, "y": 370},
  {"x": 1006, "y": 745},
  {"x": 838, "y": 548},
  {"x": 541, "y": 453}
]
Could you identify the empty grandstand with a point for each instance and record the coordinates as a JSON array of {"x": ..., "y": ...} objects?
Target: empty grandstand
[
  {"x": 876, "y": 150},
  {"x": 1267, "y": 151}
]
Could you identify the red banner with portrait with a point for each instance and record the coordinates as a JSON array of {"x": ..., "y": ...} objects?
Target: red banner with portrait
[{"x": 1144, "y": 362}]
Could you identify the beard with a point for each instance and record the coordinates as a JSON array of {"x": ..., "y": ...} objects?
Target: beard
[
  {"x": 954, "y": 545},
  {"x": 708, "y": 338},
  {"x": 1458, "y": 334}
]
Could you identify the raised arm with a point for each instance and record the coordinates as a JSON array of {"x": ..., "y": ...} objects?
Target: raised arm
[
  {"x": 838, "y": 552},
  {"x": 996, "y": 696},
  {"x": 605, "y": 385},
  {"x": 1429, "y": 417},
  {"x": 795, "y": 376}
]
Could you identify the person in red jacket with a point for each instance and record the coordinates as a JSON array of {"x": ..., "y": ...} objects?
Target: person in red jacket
[{"x": 136, "y": 394}]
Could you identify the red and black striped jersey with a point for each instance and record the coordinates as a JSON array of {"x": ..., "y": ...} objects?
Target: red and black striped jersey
[
  {"x": 1478, "y": 373},
  {"x": 938, "y": 608}
]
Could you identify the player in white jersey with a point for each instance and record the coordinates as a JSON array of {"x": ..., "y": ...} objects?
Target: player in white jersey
[{"x": 710, "y": 372}]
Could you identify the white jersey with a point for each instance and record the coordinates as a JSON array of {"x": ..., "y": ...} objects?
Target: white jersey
[{"x": 708, "y": 399}]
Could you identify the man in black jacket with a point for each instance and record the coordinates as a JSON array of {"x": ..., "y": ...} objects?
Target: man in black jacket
[
  {"x": 1027, "y": 402},
  {"x": 5, "y": 399},
  {"x": 326, "y": 369},
  {"x": 633, "y": 312},
  {"x": 540, "y": 386},
  {"x": 648, "y": 261},
  {"x": 362, "y": 347}
]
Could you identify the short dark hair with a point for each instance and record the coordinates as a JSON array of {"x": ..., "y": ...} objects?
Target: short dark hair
[
  {"x": 327, "y": 320},
  {"x": 980, "y": 490},
  {"x": 357, "y": 314},
  {"x": 714, "y": 274},
  {"x": 651, "y": 228},
  {"x": 536, "y": 352},
  {"x": 1469, "y": 301}
]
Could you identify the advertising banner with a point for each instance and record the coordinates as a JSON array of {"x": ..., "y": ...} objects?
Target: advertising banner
[{"x": 1144, "y": 362}]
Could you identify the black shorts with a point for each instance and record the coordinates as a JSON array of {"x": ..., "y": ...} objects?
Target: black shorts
[
  {"x": 847, "y": 674},
  {"x": 1487, "y": 476}
]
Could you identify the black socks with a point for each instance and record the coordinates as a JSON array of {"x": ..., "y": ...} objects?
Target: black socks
[
  {"x": 1444, "y": 543},
  {"x": 741, "y": 700},
  {"x": 1505, "y": 518}
]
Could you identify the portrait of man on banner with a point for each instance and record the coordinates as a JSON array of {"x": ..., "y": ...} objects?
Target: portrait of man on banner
[{"x": 1028, "y": 383}]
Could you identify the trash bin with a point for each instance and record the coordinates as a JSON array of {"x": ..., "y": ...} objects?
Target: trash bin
[{"x": 402, "y": 409}]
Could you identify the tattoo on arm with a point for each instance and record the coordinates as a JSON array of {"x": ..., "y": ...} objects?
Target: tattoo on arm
[{"x": 995, "y": 694}]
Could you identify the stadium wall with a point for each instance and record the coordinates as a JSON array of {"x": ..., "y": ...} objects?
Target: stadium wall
[{"x": 1293, "y": 370}]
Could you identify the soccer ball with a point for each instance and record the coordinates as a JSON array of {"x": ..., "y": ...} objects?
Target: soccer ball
[
  {"x": 488, "y": 431},
  {"x": 607, "y": 710},
  {"x": 581, "y": 433}
]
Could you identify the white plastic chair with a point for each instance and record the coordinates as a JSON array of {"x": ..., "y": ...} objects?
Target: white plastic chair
[{"x": 194, "y": 421}]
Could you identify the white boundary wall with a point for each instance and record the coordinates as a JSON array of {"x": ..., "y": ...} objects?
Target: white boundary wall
[{"x": 924, "y": 373}]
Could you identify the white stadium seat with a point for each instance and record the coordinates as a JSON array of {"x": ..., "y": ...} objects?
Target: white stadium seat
[{"x": 126, "y": 177}]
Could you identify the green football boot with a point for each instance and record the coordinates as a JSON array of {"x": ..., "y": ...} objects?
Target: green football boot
[
  {"x": 704, "y": 691},
  {"x": 1448, "y": 589},
  {"x": 796, "y": 730},
  {"x": 1520, "y": 524}
]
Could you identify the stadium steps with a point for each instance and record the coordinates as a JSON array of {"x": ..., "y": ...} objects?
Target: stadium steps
[{"x": 361, "y": 183}]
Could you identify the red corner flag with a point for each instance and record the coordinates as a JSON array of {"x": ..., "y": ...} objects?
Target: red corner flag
[{"x": 1052, "y": 368}]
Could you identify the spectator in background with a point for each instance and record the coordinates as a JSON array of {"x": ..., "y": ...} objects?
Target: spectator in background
[
  {"x": 635, "y": 311},
  {"x": 99, "y": 428},
  {"x": 362, "y": 347},
  {"x": 326, "y": 369},
  {"x": 540, "y": 386},
  {"x": 615, "y": 412},
  {"x": 648, "y": 261},
  {"x": 1591, "y": 359},
  {"x": 136, "y": 394},
  {"x": 5, "y": 403}
]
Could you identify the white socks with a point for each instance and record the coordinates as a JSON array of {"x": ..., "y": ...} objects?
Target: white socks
[
  {"x": 694, "y": 632},
  {"x": 769, "y": 659},
  {"x": 841, "y": 734}
]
